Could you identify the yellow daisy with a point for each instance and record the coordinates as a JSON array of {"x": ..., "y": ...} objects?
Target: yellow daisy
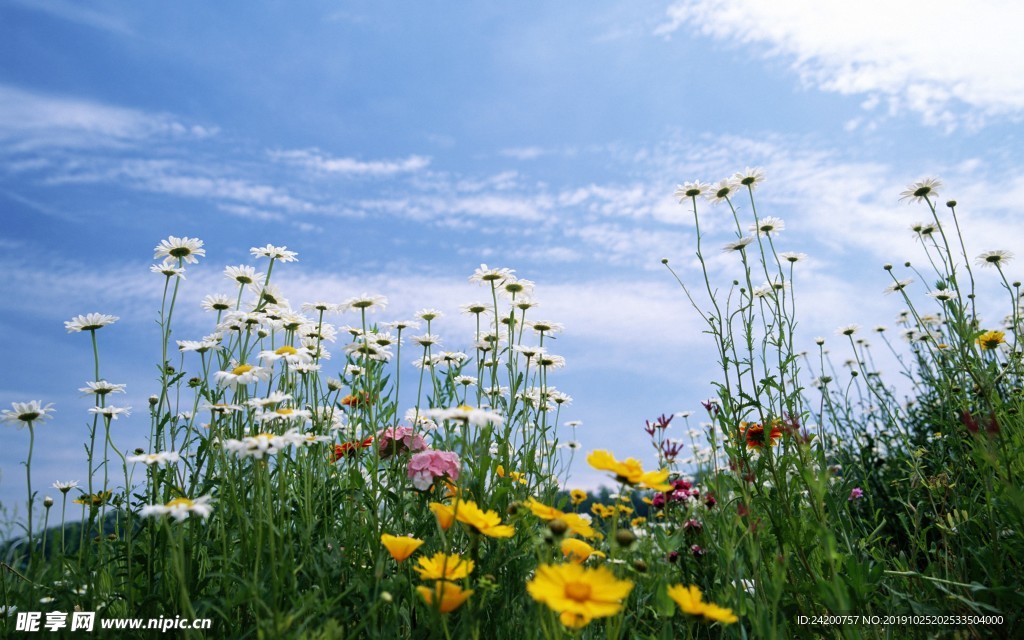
[{"x": 579, "y": 594}]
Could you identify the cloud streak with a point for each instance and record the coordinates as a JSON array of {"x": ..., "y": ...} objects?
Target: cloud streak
[{"x": 944, "y": 60}]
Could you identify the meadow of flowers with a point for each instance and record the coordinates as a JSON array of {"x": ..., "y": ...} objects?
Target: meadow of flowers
[{"x": 288, "y": 491}]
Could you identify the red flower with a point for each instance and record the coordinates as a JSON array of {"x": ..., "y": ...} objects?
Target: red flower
[
  {"x": 754, "y": 434},
  {"x": 350, "y": 448},
  {"x": 355, "y": 400}
]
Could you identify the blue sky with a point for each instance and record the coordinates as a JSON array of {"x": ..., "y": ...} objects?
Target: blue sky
[{"x": 396, "y": 146}]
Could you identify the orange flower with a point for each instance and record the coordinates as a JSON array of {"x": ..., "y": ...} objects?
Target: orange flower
[
  {"x": 350, "y": 448},
  {"x": 754, "y": 433},
  {"x": 446, "y": 596},
  {"x": 400, "y": 547},
  {"x": 445, "y": 515},
  {"x": 487, "y": 523},
  {"x": 576, "y": 523},
  {"x": 357, "y": 399},
  {"x": 629, "y": 471}
]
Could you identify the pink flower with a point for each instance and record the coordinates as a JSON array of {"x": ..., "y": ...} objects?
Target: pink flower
[
  {"x": 427, "y": 466},
  {"x": 856, "y": 494},
  {"x": 395, "y": 440}
]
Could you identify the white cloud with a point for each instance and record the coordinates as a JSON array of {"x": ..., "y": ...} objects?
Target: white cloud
[
  {"x": 78, "y": 13},
  {"x": 524, "y": 153},
  {"x": 931, "y": 57},
  {"x": 316, "y": 160},
  {"x": 31, "y": 120}
]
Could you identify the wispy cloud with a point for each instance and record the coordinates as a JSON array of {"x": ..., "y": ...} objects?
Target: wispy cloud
[
  {"x": 316, "y": 160},
  {"x": 31, "y": 120},
  {"x": 79, "y": 14},
  {"x": 945, "y": 60}
]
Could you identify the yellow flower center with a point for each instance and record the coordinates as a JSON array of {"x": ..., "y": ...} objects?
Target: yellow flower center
[
  {"x": 286, "y": 351},
  {"x": 578, "y": 591},
  {"x": 285, "y": 411},
  {"x": 180, "y": 502},
  {"x": 240, "y": 369}
]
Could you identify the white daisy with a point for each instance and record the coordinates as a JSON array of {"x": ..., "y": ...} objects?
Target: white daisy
[
  {"x": 720, "y": 191},
  {"x": 243, "y": 274},
  {"x": 847, "y": 330},
  {"x": 288, "y": 353},
  {"x": 767, "y": 226},
  {"x": 180, "y": 508},
  {"x": 365, "y": 302},
  {"x": 543, "y": 326},
  {"x": 426, "y": 340},
  {"x": 111, "y": 412},
  {"x": 102, "y": 388},
  {"x": 168, "y": 268},
  {"x": 738, "y": 244},
  {"x": 749, "y": 177},
  {"x": 520, "y": 287},
  {"x": 921, "y": 190},
  {"x": 241, "y": 374},
  {"x": 899, "y": 285},
  {"x": 161, "y": 458},
  {"x": 792, "y": 256},
  {"x": 64, "y": 487},
  {"x": 280, "y": 254},
  {"x": 89, "y": 322},
  {"x": 401, "y": 325},
  {"x": 487, "y": 274},
  {"x": 475, "y": 308},
  {"x": 994, "y": 258},
  {"x": 216, "y": 302},
  {"x": 428, "y": 315},
  {"x": 27, "y": 412},
  {"x": 186, "y": 249},
  {"x": 693, "y": 189}
]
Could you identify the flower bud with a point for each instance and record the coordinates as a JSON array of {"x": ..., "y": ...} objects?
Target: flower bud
[
  {"x": 47, "y": 502},
  {"x": 558, "y": 527},
  {"x": 625, "y": 537}
]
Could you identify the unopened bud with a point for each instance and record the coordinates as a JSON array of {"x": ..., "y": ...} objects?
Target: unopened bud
[
  {"x": 558, "y": 527},
  {"x": 625, "y": 537}
]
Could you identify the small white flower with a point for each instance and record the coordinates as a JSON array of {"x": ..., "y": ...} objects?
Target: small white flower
[
  {"x": 488, "y": 275},
  {"x": 749, "y": 177},
  {"x": 112, "y": 413},
  {"x": 180, "y": 508},
  {"x": 160, "y": 458},
  {"x": 102, "y": 388},
  {"x": 217, "y": 302},
  {"x": 475, "y": 308},
  {"x": 693, "y": 189},
  {"x": 243, "y": 275},
  {"x": 738, "y": 244},
  {"x": 899, "y": 285},
  {"x": 767, "y": 226},
  {"x": 168, "y": 268},
  {"x": 186, "y": 249},
  {"x": 64, "y": 487},
  {"x": 89, "y": 322},
  {"x": 847, "y": 330},
  {"x": 199, "y": 346},
  {"x": 994, "y": 258},
  {"x": 792, "y": 256},
  {"x": 280, "y": 254},
  {"x": 241, "y": 374},
  {"x": 921, "y": 190},
  {"x": 428, "y": 315},
  {"x": 365, "y": 302}
]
